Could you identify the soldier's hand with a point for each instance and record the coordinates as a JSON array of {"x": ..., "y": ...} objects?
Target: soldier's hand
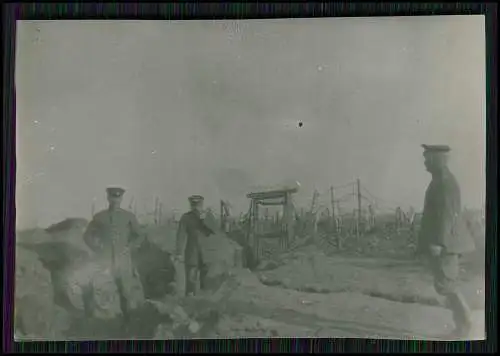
[
  {"x": 436, "y": 250},
  {"x": 136, "y": 244}
]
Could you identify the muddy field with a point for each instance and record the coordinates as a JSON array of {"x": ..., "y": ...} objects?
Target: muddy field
[{"x": 315, "y": 289}]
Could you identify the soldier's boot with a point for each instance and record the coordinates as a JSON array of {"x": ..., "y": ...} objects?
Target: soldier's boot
[
  {"x": 461, "y": 318},
  {"x": 461, "y": 315},
  {"x": 89, "y": 305},
  {"x": 191, "y": 274},
  {"x": 203, "y": 277},
  {"x": 123, "y": 303}
]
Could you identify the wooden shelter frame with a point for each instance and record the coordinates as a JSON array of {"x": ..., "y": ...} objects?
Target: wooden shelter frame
[{"x": 282, "y": 197}]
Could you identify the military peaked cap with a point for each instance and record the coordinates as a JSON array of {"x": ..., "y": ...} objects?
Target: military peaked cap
[
  {"x": 193, "y": 199},
  {"x": 436, "y": 148},
  {"x": 115, "y": 191}
]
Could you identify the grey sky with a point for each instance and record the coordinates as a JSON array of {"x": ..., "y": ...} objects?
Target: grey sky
[{"x": 204, "y": 107}]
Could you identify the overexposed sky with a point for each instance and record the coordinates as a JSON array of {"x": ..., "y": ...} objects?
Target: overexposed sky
[{"x": 211, "y": 107}]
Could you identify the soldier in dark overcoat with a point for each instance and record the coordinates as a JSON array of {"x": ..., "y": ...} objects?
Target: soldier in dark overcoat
[
  {"x": 442, "y": 238},
  {"x": 191, "y": 230},
  {"x": 112, "y": 235}
]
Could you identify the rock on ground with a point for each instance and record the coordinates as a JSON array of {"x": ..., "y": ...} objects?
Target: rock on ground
[{"x": 178, "y": 323}]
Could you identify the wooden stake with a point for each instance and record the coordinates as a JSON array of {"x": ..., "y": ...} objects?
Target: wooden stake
[
  {"x": 222, "y": 215},
  {"x": 359, "y": 205},
  {"x": 155, "y": 213},
  {"x": 332, "y": 200}
]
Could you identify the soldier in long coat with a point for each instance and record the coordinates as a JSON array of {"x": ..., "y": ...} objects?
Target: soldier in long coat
[
  {"x": 442, "y": 238},
  {"x": 191, "y": 229},
  {"x": 111, "y": 235}
]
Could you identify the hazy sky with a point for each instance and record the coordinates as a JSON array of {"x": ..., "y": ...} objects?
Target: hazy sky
[{"x": 211, "y": 107}]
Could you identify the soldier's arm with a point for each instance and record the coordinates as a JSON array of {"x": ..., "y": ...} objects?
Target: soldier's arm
[
  {"x": 181, "y": 236},
  {"x": 205, "y": 229},
  {"x": 422, "y": 237},
  {"x": 445, "y": 213}
]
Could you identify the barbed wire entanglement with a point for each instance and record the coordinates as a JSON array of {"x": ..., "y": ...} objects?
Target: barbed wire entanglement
[
  {"x": 339, "y": 217},
  {"x": 347, "y": 197},
  {"x": 337, "y": 201},
  {"x": 344, "y": 216}
]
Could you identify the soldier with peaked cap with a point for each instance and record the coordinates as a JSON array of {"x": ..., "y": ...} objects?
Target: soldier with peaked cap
[
  {"x": 442, "y": 238},
  {"x": 111, "y": 235},
  {"x": 191, "y": 229}
]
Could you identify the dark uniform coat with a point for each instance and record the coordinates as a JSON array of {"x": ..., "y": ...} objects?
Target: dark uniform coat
[
  {"x": 111, "y": 235},
  {"x": 442, "y": 223},
  {"x": 112, "y": 231},
  {"x": 191, "y": 229}
]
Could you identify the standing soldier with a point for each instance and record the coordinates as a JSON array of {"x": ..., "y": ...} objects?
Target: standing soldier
[
  {"x": 441, "y": 238},
  {"x": 188, "y": 248},
  {"x": 111, "y": 235}
]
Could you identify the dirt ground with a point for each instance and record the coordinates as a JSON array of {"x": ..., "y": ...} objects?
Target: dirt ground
[
  {"x": 308, "y": 292},
  {"x": 382, "y": 297},
  {"x": 403, "y": 281},
  {"x": 246, "y": 308}
]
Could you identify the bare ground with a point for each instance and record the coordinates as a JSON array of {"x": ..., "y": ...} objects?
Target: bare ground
[
  {"x": 346, "y": 314},
  {"x": 305, "y": 293}
]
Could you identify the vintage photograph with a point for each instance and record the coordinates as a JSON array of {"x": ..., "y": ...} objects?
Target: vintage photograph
[{"x": 313, "y": 177}]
